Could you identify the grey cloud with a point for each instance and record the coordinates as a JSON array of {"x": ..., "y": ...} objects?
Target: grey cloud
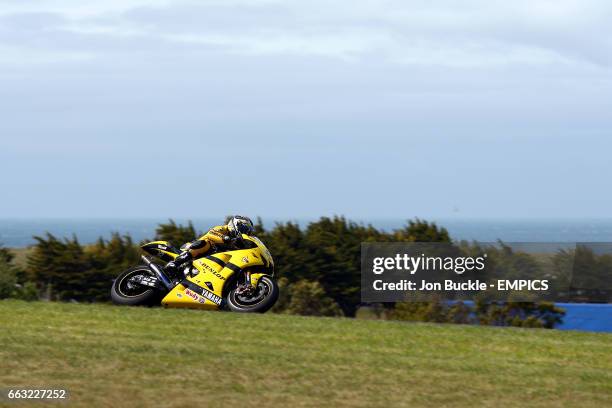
[
  {"x": 471, "y": 34},
  {"x": 31, "y": 21},
  {"x": 194, "y": 18}
]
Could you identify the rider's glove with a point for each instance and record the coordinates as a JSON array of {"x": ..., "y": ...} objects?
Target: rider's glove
[{"x": 229, "y": 240}]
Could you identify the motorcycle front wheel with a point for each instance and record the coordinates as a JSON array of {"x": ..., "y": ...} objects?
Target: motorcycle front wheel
[{"x": 260, "y": 301}]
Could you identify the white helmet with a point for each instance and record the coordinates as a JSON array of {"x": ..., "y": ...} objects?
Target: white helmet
[{"x": 240, "y": 225}]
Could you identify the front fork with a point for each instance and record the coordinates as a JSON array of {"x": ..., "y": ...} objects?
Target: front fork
[{"x": 246, "y": 288}]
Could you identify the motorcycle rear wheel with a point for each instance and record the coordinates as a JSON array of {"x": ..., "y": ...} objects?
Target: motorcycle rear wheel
[
  {"x": 126, "y": 292},
  {"x": 265, "y": 296}
]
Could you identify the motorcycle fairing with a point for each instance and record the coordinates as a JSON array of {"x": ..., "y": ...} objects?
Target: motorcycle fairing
[
  {"x": 215, "y": 270},
  {"x": 161, "y": 249}
]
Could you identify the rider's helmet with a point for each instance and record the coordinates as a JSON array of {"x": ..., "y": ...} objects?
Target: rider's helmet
[{"x": 240, "y": 225}]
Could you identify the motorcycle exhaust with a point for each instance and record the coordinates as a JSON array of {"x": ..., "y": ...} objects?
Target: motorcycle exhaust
[{"x": 158, "y": 272}]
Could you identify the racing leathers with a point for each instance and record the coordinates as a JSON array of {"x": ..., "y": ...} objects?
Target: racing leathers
[{"x": 219, "y": 236}]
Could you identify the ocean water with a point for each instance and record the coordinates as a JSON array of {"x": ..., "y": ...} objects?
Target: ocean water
[
  {"x": 16, "y": 233},
  {"x": 19, "y": 233}
]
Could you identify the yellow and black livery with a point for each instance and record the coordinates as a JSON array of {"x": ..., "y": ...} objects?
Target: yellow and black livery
[{"x": 239, "y": 279}]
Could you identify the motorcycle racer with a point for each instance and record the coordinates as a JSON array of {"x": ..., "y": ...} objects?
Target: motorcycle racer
[
  {"x": 225, "y": 236},
  {"x": 228, "y": 268}
]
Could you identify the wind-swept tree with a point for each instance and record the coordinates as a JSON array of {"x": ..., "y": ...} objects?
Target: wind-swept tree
[{"x": 176, "y": 234}]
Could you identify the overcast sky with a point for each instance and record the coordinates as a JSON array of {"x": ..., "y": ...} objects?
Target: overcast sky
[{"x": 289, "y": 109}]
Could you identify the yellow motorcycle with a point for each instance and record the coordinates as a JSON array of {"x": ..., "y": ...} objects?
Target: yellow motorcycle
[{"x": 239, "y": 280}]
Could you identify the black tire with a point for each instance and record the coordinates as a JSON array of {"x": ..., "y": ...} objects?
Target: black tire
[
  {"x": 122, "y": 294},
  {"x": 265, "y": 297}
]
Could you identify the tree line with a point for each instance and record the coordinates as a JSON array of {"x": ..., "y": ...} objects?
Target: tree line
[{"x": 318, "y": 269}]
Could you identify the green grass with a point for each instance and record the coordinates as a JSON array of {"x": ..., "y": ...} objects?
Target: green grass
[{"x": 119, "y": 356}]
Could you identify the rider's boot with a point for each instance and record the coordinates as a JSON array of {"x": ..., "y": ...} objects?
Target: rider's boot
[{"x": 173, "y": 267}]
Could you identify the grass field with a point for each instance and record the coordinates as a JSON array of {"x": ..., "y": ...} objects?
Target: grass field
[{"x": 131, "y": 357}]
